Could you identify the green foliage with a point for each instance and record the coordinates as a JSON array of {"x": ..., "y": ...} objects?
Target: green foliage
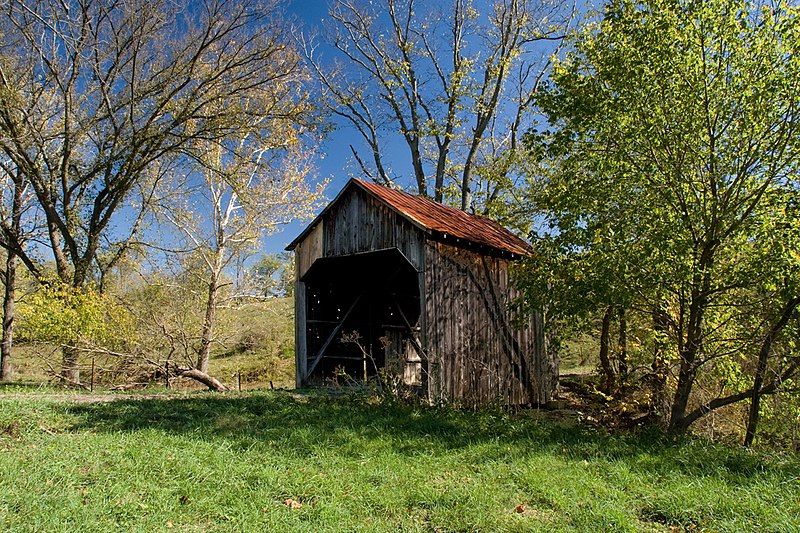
[
  {"x": 273, "y": 275},
  {"x": 652, "y": 155},
  {"x": 780, "y": 423},
  {"x": 61, "y": 314},
  {"x": 257, "y": 341},
  {"x": 286, "y": 279},
  {"x": 353, "y": 465},
  {"x": 669, "y": 178},
  {"x": 252, "y": 336}
]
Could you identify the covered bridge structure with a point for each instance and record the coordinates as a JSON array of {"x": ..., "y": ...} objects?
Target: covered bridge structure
[{"x": 397, "y": 285}]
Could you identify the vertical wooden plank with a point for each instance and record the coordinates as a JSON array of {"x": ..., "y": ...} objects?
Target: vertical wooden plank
[
  {"x": 301, "y": 332},
  {"x": 423, "y": 320},
  {"x": 430, "y": 322},
  {"x": 481, "y": 345},
  {"x": 434, "y": 265},
  {"x": 360, "y": 223}
]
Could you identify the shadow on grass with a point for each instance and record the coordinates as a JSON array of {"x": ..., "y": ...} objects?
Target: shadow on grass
[{"x": 316, "y": 423}]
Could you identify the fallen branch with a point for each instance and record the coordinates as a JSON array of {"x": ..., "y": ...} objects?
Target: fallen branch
[
  {"x": 55, "y": 375},
  {"x": 209, "y": 381},
  {"x": 186, "y": 372}
]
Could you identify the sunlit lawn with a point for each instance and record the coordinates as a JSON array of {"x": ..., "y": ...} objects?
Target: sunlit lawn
[{"x": 273, "y": 461}]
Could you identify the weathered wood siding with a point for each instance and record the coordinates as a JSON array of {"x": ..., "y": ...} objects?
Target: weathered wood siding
[
  {"x": 477, "y": 351},
  {"x": 309, "y": 249},
  {"x": 306, "y": 252},
  {"x": 356, "y": 223},
  {"x": 360, "y": 223}
]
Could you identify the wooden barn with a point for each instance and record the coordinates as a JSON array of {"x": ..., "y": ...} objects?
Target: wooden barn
[{"x": 398, "y": 285}]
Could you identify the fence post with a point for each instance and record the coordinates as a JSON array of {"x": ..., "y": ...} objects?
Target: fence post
[
  {"x": 91, "y": 382},
  {"x": 239, "y": 380},
  {"x": 166, "y": 373}
]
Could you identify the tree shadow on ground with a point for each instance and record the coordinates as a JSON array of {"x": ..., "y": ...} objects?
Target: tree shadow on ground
[{"x": 304, "y": 424}]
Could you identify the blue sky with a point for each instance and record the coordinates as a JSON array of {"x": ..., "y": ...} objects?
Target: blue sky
[{"x": 334, "y": 161}]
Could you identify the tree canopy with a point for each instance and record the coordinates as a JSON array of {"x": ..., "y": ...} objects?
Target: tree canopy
[{"x": 668, "y": 181}]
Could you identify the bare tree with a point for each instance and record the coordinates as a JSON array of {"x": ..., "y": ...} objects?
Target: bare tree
[
  {"x": 455, "y": 86},
  {"x": 101, "y": 93},
  {"x": 244, "y": 187},
  {"x": 20, "y": 224},
  {"x": 11, "y": 208}
]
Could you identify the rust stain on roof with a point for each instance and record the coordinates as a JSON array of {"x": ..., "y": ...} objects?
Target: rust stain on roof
[
  {"x": 449, "y": 221},
  {"x": 443, "y": 221}
]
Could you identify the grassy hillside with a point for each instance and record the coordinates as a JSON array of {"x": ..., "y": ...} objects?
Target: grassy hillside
[
  {"x": 259, "y": 343},
  {"x": 264, "y": 461}
]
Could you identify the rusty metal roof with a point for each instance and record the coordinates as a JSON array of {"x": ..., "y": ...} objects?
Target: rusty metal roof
[{"x": 443, "y": 222}]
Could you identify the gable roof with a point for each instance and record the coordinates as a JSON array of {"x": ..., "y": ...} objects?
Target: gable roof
[{"x": 435, "y": 218}]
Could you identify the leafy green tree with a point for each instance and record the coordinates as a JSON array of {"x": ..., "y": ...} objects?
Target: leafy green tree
[
  {"x": 286, "y": 278},
  {"x": 273, "y": 275},
  {"x": 264, "y": 271},
  {"x": 61, "y": 314},
  {"x": 670, "y": 172},
  {"x": 79, "y": 319}
]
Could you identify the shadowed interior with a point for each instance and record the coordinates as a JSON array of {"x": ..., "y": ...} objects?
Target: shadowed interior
[{"x": 375, "y": 295}]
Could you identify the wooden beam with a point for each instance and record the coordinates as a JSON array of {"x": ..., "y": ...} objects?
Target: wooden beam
[
  {"x": 300, "y": 330},
  {"x": 333, "y": 334},
  {"x": 414, "y": 341}
]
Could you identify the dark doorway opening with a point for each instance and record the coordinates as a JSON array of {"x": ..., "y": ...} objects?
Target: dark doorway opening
[{"x": 372, "y": 297}]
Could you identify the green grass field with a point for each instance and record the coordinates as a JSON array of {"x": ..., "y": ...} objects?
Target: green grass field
[{"x": 276, "y": 461}]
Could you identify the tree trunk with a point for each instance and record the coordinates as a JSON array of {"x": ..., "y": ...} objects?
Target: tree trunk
[
  {"x": 441, "y": 163},
  {"x": 70, "y": 365},
  {"x": 761, "y": 368},
  {"x": 605, "y": 362},
  {"x": 8, "y": 317},
  {"x": 677, "y": 420},
  {"x": 207, "y": 337},
  {"x": 9, "y": 298},
  {"x": 195, "y": 374},
  {"x": 70, "y": 361},
  {"x": 466, "y": 177},
  {"x": 204, "y": 354},
  {"x": 623, "y": 348},
  {"x": 659, "y": 364},
  {"x": 701, "y": 281}
]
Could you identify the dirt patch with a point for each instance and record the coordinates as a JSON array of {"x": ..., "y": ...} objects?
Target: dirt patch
[
  {"x": 10, "y": 429},
  {"x": 90, "y": 398}
]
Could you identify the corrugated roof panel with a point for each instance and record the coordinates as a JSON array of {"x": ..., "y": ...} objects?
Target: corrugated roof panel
[
  {"x": 437, "y": 218},
  {"x": 449, "y": 220}
]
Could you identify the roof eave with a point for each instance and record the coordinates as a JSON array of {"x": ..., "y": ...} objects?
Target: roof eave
[
  {"x": 353, "y": 182},
  {"x": 428, "y": 231}
]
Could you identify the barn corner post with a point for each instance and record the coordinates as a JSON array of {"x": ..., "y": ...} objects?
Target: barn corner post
[
  {"x": 300, "y": 329},
  {"x": 431, "y": 385}
]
